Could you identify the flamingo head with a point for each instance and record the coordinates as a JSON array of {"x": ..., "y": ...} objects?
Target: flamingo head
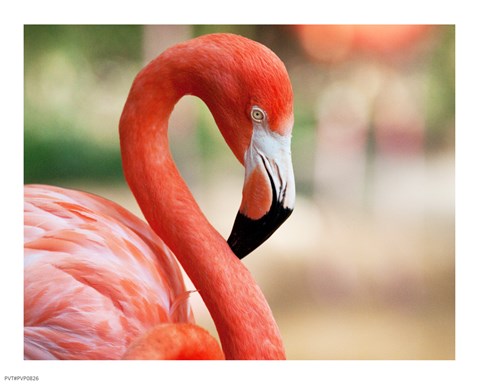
[
  {"x": 251, "y": 100},
  {"x": 269, "y": 187}
]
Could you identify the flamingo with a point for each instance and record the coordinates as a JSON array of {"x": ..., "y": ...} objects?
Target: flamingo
[{"x": 100, "y": 283}]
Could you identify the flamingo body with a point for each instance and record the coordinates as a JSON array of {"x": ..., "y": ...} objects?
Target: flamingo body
[{"x": 96, "y": 277}]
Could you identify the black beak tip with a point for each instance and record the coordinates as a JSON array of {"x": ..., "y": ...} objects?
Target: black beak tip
[{"x": 247, "y": 234}]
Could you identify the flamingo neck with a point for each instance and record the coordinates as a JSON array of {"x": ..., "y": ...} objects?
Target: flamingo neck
[{"x": 243, "y": 319}]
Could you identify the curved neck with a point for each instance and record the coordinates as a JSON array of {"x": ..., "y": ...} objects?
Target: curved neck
[{"x": 241, "y": 314}]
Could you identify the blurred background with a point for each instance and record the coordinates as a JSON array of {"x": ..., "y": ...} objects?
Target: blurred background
[{"x": 365, "y": 266}]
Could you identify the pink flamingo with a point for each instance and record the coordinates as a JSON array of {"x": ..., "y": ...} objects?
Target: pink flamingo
[{"x": 102, "y": 284}]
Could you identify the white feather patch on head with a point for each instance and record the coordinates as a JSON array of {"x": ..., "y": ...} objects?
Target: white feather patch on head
[{"x": 271, "y": 152}]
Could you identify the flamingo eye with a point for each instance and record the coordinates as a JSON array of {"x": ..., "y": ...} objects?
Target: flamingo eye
[{"x": 257, "y": 114}]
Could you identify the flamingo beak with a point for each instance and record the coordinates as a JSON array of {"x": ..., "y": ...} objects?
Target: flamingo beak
[{"x": 268, "y": 191}]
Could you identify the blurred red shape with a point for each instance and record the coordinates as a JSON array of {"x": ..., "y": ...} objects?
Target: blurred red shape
[{"x": 332, "y": 43}]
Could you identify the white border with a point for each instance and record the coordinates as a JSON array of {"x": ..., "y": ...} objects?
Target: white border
[{"x": 463, "y": 369}]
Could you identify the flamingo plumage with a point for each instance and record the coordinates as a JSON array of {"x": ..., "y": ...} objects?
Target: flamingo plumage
[{"x": 102, "y": 284}]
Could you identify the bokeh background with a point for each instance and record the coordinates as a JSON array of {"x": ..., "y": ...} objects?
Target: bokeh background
[{"x": 365, "y": 266}]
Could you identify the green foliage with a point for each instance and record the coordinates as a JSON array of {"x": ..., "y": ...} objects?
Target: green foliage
[
  {"x": 68, "y": 68},
  {"x": 94, "y": 42},
  {"x": 53, "y": 158},
  {"x": 440, "y": 106}
]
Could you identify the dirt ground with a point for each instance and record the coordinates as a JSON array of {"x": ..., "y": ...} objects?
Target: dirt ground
[{"x": 346, "y": 283}]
